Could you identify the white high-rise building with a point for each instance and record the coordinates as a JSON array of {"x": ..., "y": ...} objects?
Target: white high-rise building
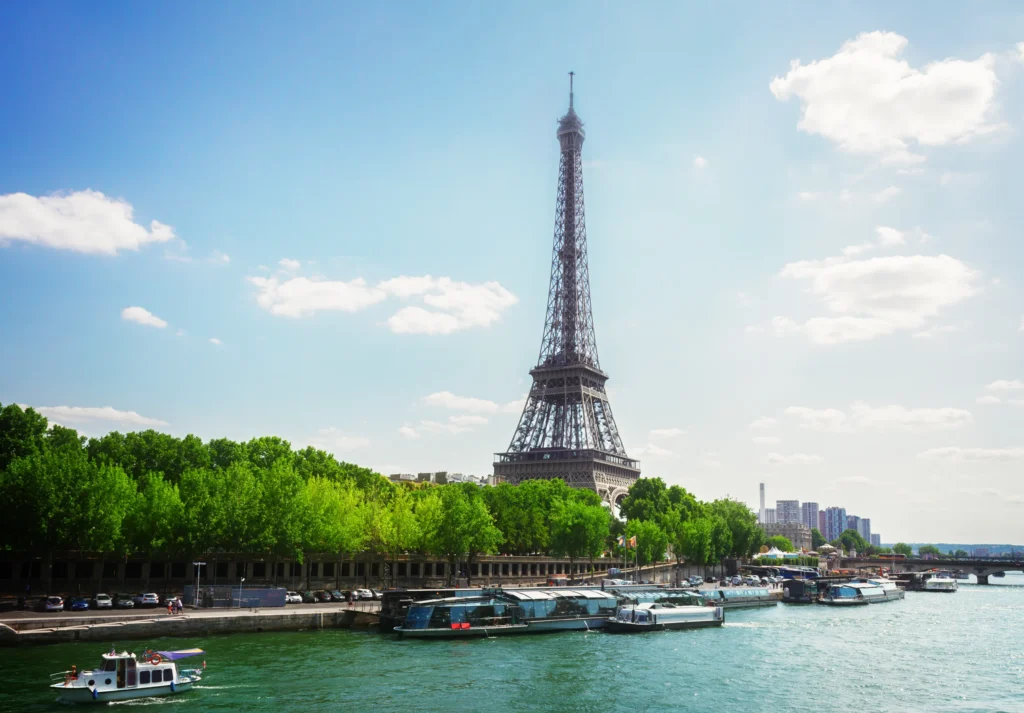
[
  {"x": 809, "y": 514},
  {"x": 769, "y": 516},
  {"x": 787, "y": 511},
  {"x": 760, "y": 513}
]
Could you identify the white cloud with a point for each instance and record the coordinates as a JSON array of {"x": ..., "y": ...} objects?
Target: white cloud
[
  {"x": 1003, "y": 385},
  {"x": 889, "y": 236},
  {"x": 767, "y": 440},
  {"x": 988, "y": 399},
  {"x": 446, "y": 399},
  {"x": 304, "y": 297},
  {"x": 784, "y": 326},
  {"x": 219, "y": 258},
  {"x": 764, "y": 422},
  {"x": 654, "y": 451},
  {"x": 180, "y": 333},
  {"x": 793, "y": 459},
  {"x": 979, "y": 455},
  {"x": 215, "y": 341},
  {"x": 885, "y": 195},
  {"x": 808, "y": 195},
  {"x": 81, "y": 221},
  {"x": 468, "y": 420},
  {"x": 70, "y": 415},
  {"x": 289, "y": 265},
  {"x": 334, "y": 440},
  {"x": 852, "y": 250},
  {"x": 882, "y": 418},
  {"x": 409, "y": 432},
  {"x": 699, "y": 162},
  {"x": 935, "y": 331},
  {"x": 514, "y": 406},
  {"x": 878, "y": 296},
  {"x": 901, "y": 418},
  {"x": 1020, "y": 51},
  {"x": 659, "y": 433},
  {"x": 454, "y": 305},
  {"x": 141, "y": 315},
  {"x": 827, "y": 420},
  {"x": 867, "y": 100}
]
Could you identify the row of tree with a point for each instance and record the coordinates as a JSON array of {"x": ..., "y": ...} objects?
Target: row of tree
[{"x": 149, "y": 493}]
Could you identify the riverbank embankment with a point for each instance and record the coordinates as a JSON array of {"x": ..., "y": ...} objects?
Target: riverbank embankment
[{"x": 53, "y": 630}]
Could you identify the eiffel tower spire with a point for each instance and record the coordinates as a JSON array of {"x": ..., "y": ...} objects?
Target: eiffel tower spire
[{"x": 567, "y": 430}]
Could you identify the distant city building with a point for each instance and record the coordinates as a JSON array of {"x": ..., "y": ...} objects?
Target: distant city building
[
  {"x": 809, "y": 514},
  {"x": 864, "y": 528},
  {"x": 760, "y": 513},
  {"x": 400, "y": 477},
  {"x": 876, "y": 539},
  {"x": 835, "y": 523},
  {"x": 769, "y": 516},
  {"x": 853, "y": 523},
  {"x": 821, "y": 522},
  {"x": 787, "y": 511},
  {"x": 796, "y": 532},
  {"x": 981, "y": 552}
]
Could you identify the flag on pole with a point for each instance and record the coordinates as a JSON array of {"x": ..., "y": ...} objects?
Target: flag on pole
[
  {"x": 632, "y": 541},
  {"x": 622, "y": 541}
]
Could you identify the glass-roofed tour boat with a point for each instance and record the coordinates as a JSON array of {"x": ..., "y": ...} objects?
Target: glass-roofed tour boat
[
  {"x": 498, "y": 612},
  {"x": 121, "y": 676},
  {"x": 661, "y": 616}
]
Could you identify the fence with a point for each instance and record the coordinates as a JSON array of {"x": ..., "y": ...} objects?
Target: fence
[{"x": 234, "y": 596}]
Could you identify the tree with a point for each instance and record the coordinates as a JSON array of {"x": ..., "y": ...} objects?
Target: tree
[
  {"x": 961, "y": 554},
  {"x": 746, "y": 536},
  {"x": 578, "y": 530},
  {"x": 646, "y": 500},
  {"x": 817, "y": 539},
  {"x": 850, "y": 540},
  {"x": 651, "y": 540},
  {"x": 780, "y": 542},
  {"x": 155, "y": 521},
  {"x": 928, "y": 550},
  {"x": 456, "y": 523},
  {"x": 901, "y": 548},
  {"x": 695, "y": 541},
  {"x": 22, "y": 433}
]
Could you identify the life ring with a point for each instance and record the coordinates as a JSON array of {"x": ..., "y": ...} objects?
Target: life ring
[{"x": 156, "y": 659}]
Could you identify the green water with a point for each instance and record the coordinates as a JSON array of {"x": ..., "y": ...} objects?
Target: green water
[{"x": 929, "y": 652}]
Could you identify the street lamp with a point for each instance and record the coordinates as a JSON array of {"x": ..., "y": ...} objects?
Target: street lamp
[
  {"x": 195, "y": 581},
  {"x": 240, "y": 592}
]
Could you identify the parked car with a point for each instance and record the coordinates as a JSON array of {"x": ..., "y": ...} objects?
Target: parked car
[
  {"x": 736, "y": 580},
  {"x": 322, "y": 596},
  {"x": 712, "y": 579},
  {"x": 102, "y": 601},
  {"x": 79, "y": 603},
  {"x": 365, "y": 594},
  {"x": 124, "y": 601},
  {"x": 293, "y": 598},
  {"x": 337, "y": 596},
  {"x": 308, "y": 597},
  {"x": 147, "y": 599},
  {"x": 376, "y": 593},
  {"x": 53, "y": 604}
]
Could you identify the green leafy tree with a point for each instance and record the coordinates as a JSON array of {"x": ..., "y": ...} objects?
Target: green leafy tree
[
  {"x": 694, "y": 541},
  {"x": 902, "y": 548},
  {"x": 746, "y": 536},
  {"x": 647, "y": 499},
  {"x": 154, "y": 523},
  {"x": 651, "y": 540},
  {"x": 332, "y": 512},
  {"x": 578, "y": 530},
  {"x": 780, "y": 542},
  {"x": 817, "y": 539},
  {"x": 456, "y": 524},
  {"x": 961, "y": 554},
  {"x": 851, "y": 540},
  {"x": 928, "y": 550},
  {"x": 22, "y": 433}
]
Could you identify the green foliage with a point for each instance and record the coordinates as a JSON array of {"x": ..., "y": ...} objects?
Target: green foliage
[
  {"x": 578, "y": 530},
  {"x": 651, "y": 540},
  {"x": 647, "y": 500},
  {"x": 745, "y": 534},
  {"x": 851, "y": 540},
  {"x": 961, "y": 554},
  {"x": 817, "y": 539},
  {"x": 928, "y": 550},
  {"x": 902, "y": 548},
  {"x": 780, "y": 542}
]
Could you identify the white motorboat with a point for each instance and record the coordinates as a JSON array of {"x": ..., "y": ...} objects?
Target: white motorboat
[
  {"x": 938, "y": 582},
  {"x": 889, "y": 589},
  {"x": 656, "y": 616},
  {"x": 123, "y": 675},
  {"x": 1010, "y": 578}
]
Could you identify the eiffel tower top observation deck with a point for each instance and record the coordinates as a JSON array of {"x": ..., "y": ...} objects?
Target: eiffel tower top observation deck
[{"x": 567, "y": 430}]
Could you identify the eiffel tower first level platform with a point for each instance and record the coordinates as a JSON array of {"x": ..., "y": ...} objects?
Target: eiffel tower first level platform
[{"x": 567, "y": 429}]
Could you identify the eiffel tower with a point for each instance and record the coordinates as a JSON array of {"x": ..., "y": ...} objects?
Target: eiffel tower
[{"x": 567, "y": 430}]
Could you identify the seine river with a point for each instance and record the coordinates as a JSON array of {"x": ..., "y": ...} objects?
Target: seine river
[{"x": 929, "y": 652}]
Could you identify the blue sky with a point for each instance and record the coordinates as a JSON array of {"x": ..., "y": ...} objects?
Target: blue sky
[{"x": 806, "y": 275}]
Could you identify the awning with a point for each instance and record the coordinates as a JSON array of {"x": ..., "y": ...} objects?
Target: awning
[{"x": 183, "y": 654}]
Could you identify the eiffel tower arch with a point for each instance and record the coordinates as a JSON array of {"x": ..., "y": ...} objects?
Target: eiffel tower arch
[{"x": 567, "y": 429}]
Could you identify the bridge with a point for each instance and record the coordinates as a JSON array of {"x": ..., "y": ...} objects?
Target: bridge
[{"x": 981, "y": 567}]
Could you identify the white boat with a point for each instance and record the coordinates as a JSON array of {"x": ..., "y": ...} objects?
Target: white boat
[
  {"x": 122, "y": 676},
  {"x": 1010, "y": 578},
  {"x": 889, "y": 589},
  {"x": 938, "y": 582},
  {"x": 656, "y": 616}
]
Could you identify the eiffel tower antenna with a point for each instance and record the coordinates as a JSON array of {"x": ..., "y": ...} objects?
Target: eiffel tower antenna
[{"x": 567, "y": 430}]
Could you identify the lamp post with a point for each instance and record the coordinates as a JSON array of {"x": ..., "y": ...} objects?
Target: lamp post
[
  {"x": 240, "y": 592},
  {"x": 196, "y": 566}
]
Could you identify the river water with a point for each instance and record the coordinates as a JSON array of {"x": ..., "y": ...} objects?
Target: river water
[{"x": 929, "y": 652}]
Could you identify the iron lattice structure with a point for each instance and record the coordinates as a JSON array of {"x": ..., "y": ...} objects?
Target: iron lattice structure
[{"x": 567, "y": 429}]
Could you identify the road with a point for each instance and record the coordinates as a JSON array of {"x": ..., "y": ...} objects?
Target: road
[{"x": 154, "y": 612}]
